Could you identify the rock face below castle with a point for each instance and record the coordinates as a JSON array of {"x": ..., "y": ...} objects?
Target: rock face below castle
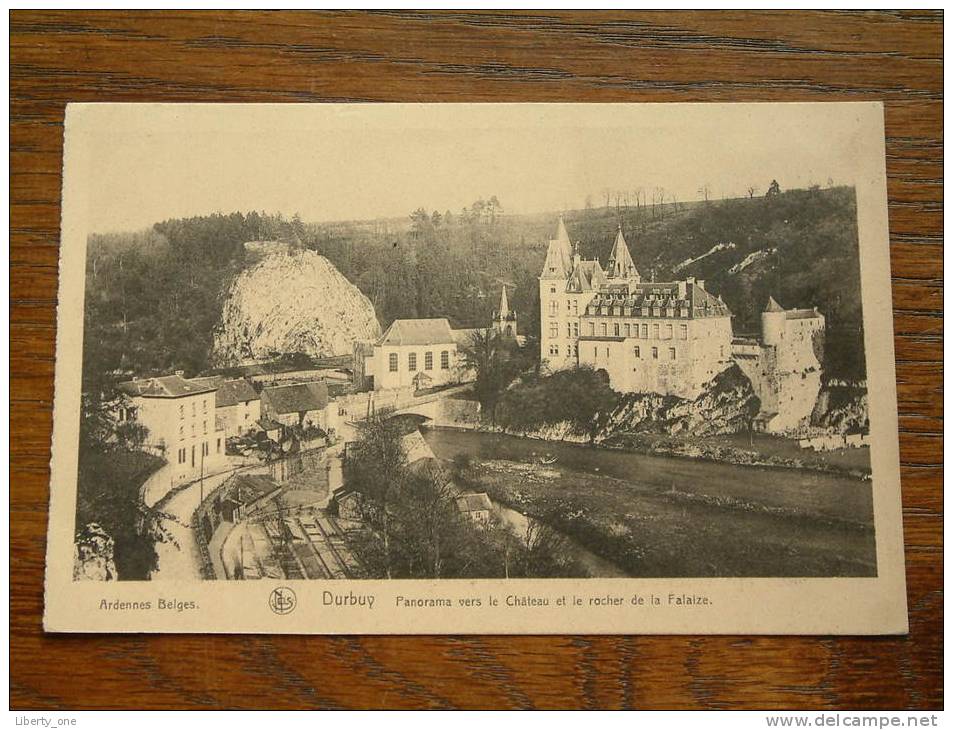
[{"x": 291, "y": 301}]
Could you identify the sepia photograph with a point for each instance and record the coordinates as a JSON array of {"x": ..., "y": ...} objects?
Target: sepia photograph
[{"x": 502, "y": 343}]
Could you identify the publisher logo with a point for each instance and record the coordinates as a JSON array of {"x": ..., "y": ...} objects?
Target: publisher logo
[{"x": 282, "y": 600}]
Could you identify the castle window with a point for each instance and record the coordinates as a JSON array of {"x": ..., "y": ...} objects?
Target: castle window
[
  {"x": 444, "y": 360},
  {"x": 607, "y": 353},
  {"x": 193, "y": 403},
  {"x": 552, "y": 306},
  {"x": 592, "y": 329},
  {"x": 604, "y": 310},
  {"x": 604, "y": 329},
  {"x": 669, "y": 312},
  {"x": 552, "y": 289},
  {"x": 655, "y": 333},
  {"x": 205, "y": 405},
  {"x": 554, "y": 330},
  {"x": 428, "y": 361},
  {"x": 683, "y": 312},
  {"x": 569, "y": 330},
  {"x": 671, "y": 353},
  {"x": 655, "y": 353},
  {"x": 575, "y": 329},
  {"x": 655, "y": 311},
  {"x": 683, "y": 332},
  {"x": 181, "y": 432},
  {"x": 645, "y": 331},
  {"x": 668, "y": 332},
  {"x": 628, "y": 329},
  {"x": 412, "y": 361},
  {"x": 575, "y": 306},
  {"x": 392, "y": 362},
  {"x": 637, "y": 353},
  {"x": 204, "y": 426},
  {"x": 218, "y": 446},
  {"x": 627, "y": 310},
  {"x": 181, "y": 411},
  {"x": 615, "y": 329},
  {"x": 616, "y": 311},
  {"x": 645, "y": 311}
]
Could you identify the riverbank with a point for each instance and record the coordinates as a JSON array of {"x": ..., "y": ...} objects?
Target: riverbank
[
  {"x": 657, "y": 516},
  {"x": 756, "y": 450}
]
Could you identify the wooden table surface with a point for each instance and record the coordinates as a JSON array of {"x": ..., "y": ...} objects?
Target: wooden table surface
[{"x": 896, "y": 57}]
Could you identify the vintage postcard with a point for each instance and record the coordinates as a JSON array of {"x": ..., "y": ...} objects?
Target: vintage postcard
[{"x": 496, "y": 368}]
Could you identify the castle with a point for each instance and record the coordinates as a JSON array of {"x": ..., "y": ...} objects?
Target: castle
[{"x": 672, "y": 337}]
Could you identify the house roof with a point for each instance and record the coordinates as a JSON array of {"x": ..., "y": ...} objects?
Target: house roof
[
  {"x": 246, "y": 488},
  {"x": 296, "y": 398},
  {"x": 164, "y": 386},
  {"x": 232, "y": 392},
  {"x": 418, "y": 332},
  {"x": 474, "y": 502}
]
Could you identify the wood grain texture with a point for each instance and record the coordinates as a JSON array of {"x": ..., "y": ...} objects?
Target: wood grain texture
[{"x": 422, "y": 56}]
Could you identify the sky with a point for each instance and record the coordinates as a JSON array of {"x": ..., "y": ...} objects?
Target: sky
[{"x": 146, "y": 163}]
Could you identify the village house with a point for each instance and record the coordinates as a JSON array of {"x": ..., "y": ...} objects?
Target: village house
[
  {"x": 476, "y": 506},
  {"x": 413, "y": 353},
  {"x": 237, "y": 405},
  {"x": 180, "y": 419},
  {"x": 296, "y": 405}
]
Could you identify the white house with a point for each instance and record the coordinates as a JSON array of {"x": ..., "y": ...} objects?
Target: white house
[
  {"x": 414, "y": 353},
  {"x": 180, "y": 418}
]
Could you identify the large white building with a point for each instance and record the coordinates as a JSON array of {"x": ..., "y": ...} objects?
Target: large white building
[
  {"x": 180, "y": 418},
  {"x": 417, "y": 353},
  {"x": 672, "y": 337},
  {"x": 664, "y": 337}
]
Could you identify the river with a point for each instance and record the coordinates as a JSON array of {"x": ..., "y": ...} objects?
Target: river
[{"x": 691, "y": 517}]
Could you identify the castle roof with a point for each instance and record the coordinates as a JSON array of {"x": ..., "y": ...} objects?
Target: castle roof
[
  {"x": 659, "y": 297},
  {"x": 586, "y": 276},
  {"x": 417, "y": 332},
  {"x": 558, "y": 255},
  {"x": 773, "y": 306},
  {"x": 621, "y": 265}
]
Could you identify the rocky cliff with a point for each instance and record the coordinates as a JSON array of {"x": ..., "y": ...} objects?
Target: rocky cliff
[
  {"x": 290, "y": 300},
  {"x": 93, "y": 554},
  {"x": 842, "y": 408},
  {"x": 726, "y": 405}
]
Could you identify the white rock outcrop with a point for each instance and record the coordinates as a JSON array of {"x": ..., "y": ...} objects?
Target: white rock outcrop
[{"x": 291, "y": 301}]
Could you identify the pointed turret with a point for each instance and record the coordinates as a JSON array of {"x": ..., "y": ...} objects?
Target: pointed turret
[
  {"x": 559, "y": 255},
  {"x": 773, "y": 306},
  {"x": 621, "y": 265},
  {"x": 504, "y": 305},
  {"x": 562, "y": 235}
]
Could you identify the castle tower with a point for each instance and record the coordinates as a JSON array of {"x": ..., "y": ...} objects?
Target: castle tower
[
  {"x": 621, "y": 266},
  {"x": 772, "y": 322}
]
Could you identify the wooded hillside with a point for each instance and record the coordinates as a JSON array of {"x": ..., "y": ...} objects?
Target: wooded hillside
[{"x": 154, "y": 298}]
